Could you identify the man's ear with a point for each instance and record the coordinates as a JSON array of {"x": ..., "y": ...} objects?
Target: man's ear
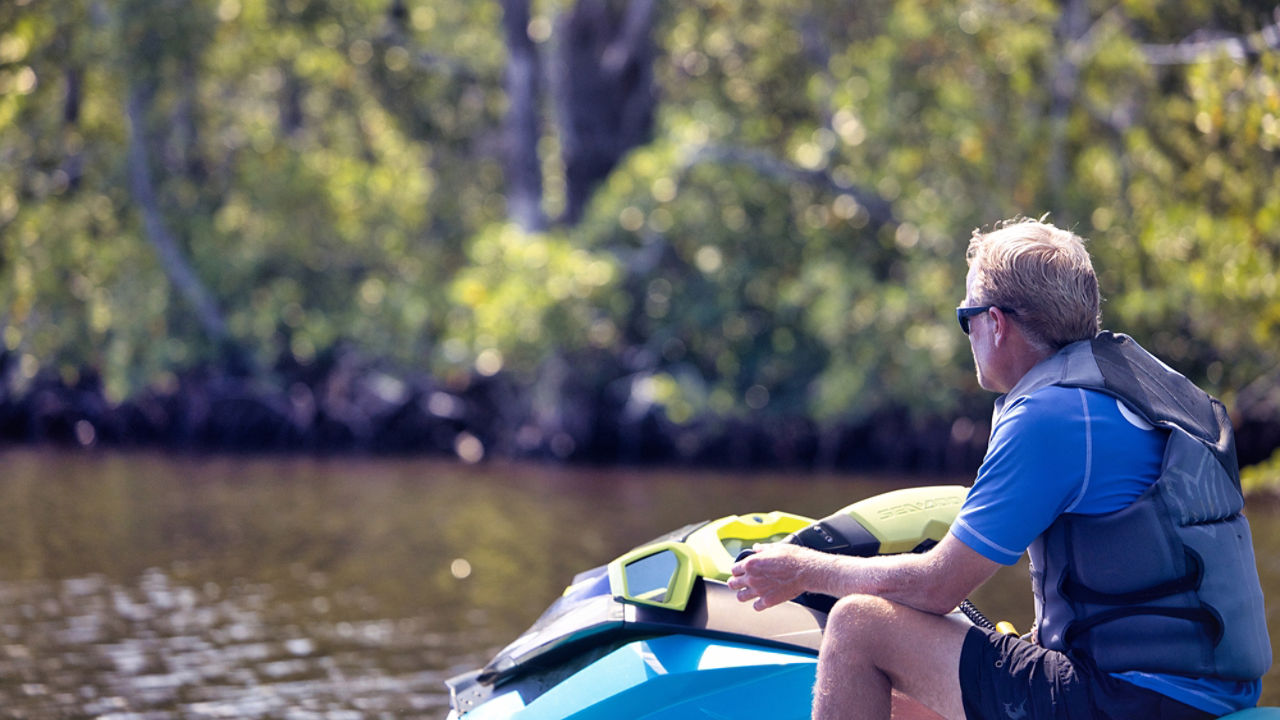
[{"x": 1000, "y": 326}]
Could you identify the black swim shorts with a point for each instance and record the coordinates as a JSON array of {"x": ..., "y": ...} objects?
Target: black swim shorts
[{"x": 1003, "y": 677}]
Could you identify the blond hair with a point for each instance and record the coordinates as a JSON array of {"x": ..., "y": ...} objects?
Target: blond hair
[{"x": 1042, "y": 273}]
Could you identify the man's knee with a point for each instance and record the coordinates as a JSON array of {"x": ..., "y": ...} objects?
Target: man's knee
[
  {"x": 857, "y": 620},
  {"x": 916, "y": 653},
  {"x": 882, "y": 630}
]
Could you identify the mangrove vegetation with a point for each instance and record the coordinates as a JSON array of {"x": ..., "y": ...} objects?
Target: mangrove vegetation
[{"x": 713, "y": 231}]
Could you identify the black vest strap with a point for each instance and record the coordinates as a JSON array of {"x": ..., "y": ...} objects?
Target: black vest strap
[
  {"x": 1076, "y": 591},
  {"x": 1203, "y": 616}
]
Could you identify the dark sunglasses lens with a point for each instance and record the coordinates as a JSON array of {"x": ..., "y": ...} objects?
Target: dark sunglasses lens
[{"x": 963, "y": 314}]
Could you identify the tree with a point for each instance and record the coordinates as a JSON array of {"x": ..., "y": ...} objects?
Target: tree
[{"x": 707, "y": 214}]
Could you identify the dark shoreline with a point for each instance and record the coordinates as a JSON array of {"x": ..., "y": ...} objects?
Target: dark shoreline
[{"x": 343, "y": 406}]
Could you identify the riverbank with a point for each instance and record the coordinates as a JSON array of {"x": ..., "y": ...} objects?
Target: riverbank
[{"x": 345, "y": 404}]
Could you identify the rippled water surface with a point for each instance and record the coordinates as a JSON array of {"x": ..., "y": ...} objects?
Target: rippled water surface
[{"x": 144, "y": 586}]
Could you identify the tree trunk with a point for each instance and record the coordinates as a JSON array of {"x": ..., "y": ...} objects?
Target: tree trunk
[
  {"x": 73, "y": 163},
  {"x": 604, "y": 90},
  {"x": 1071, "y": 27},
  {"x": 522, "y": 131}
]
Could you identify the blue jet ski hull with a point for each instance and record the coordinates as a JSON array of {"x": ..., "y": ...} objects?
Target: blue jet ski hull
[
  {"x": 672, "y": 678},
  {"x": 681, "y": 677}
]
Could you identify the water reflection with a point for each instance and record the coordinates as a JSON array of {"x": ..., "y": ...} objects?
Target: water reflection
[
  {"x": 91, "y": 647},
  {"x": 139, "y": 586},
  {"x": 233, "y": 588}
]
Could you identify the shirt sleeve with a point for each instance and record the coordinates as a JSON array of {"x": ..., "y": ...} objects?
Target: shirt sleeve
[{"x": 1036, "y": 468}]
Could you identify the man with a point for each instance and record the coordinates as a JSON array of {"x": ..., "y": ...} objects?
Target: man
[{"x": 1147, "y": 598}]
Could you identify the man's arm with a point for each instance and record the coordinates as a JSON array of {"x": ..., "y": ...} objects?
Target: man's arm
[{"x": 934, "y": 581}]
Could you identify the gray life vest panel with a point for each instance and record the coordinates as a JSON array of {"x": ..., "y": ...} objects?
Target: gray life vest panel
[{"x": 1168, "y": 584}]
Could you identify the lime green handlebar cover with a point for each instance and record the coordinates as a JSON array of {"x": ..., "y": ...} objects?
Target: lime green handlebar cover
[{"x": 662, "y": 574}]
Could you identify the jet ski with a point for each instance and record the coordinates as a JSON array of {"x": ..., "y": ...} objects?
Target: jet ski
[{"x": 657, "y": 634}]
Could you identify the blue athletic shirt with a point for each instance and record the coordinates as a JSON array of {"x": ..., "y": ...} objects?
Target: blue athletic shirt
[{"x": 1060, "y": 450}]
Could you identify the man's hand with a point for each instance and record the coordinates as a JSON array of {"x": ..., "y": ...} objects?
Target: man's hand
[
  {"x": 775, "y": 574},
  {"x": 934, "y": 581}
]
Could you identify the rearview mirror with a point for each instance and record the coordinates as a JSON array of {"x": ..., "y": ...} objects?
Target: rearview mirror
[{"x": 659, "y": 575}]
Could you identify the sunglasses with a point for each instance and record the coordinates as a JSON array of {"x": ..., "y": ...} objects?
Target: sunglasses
[{"x": 964, "y": 313}]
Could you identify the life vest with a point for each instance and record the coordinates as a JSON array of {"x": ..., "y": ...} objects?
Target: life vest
[{"x": 1168, "y": 584}]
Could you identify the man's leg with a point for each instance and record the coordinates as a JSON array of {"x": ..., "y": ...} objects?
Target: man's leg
[
  {"x": 872, "y": 646},
  {"x": 907, "y": 708}
]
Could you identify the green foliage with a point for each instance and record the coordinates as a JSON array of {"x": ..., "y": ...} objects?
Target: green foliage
[
  {"x": 524, "y": 296},
  {"x": 792, "y": 242},
  {"x": 1264, "y": 476},
  {"x": 1188, "y": 244}
]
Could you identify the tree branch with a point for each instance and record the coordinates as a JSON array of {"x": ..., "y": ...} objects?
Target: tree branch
[
  {"x": 1205, "y": 45},
  {"x": 142, "y": 186},
  {"x": 394, "y": 32},
  {"x": 1261, "y": 396},
  {"x": 879, "y": 210},
  {"x": 637, "y": 20}
]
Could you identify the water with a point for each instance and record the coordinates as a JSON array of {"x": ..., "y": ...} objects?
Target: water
[{"x": 150, "y": 587}]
